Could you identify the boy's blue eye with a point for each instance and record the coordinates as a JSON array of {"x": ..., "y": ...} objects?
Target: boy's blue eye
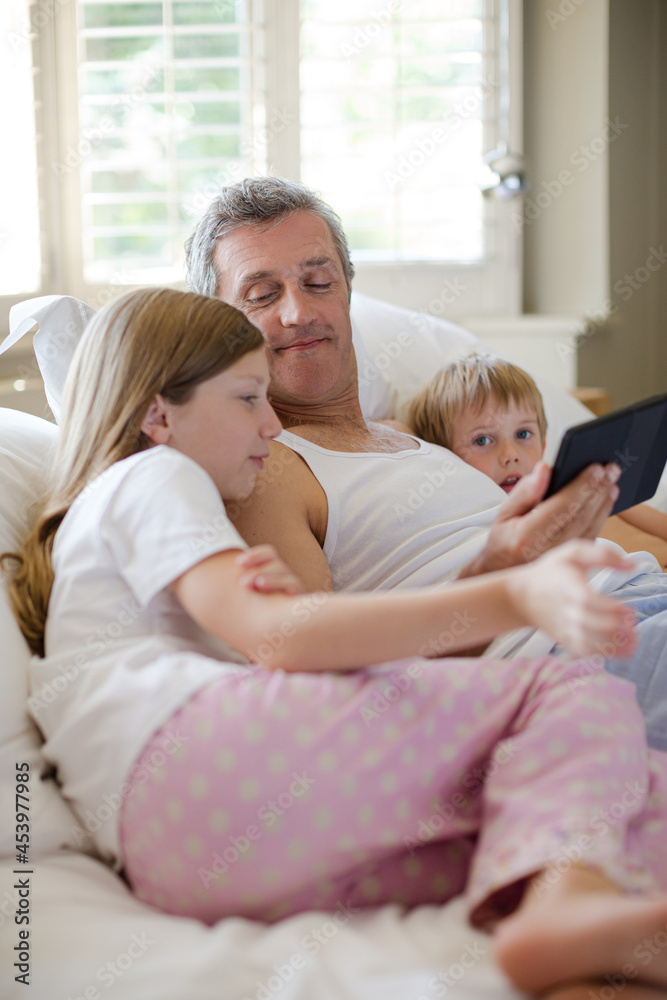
[
  {"x": 482, "y": 440},
  {"x": 249, "y": 399},
  {"x": 523, "y": 434}
]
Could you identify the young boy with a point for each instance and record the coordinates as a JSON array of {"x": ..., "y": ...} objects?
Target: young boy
[{"x": 490, "y": 413}]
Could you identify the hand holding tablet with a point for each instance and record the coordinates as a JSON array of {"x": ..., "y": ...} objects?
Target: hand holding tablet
[{"x": 635, "y": 438}]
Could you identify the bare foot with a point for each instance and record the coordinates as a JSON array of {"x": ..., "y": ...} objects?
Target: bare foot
[
  {"x": 600, "y": 990},
  {"x": 584, "y": 928}
]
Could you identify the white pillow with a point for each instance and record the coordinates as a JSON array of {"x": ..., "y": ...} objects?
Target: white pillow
[
  {"x": 26, "y": 448},
  {"x": 57, "y": 322},
  {"x": 407, "y": 347},
  {"x": 401, "y": 349}
]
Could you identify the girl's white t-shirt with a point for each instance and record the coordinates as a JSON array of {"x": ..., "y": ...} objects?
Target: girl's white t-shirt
[{"x": 122, "y": 655}]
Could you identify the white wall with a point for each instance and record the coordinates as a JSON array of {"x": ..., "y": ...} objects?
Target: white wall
[
  {"x": 588, "y": 62},
  {"x": 565, "y": 110},
  {"x": 632, "y": 357}
]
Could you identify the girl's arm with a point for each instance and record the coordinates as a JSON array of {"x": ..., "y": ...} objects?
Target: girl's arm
[
  {"x": 323, "y": 631},
  {"x": 642, "y": 516}
]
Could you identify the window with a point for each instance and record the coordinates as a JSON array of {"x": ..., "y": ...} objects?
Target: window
[
  {"x": 167, "y": 94},
  {"x": 385, "y": 106},
  {"x": 392, "y": 104}
]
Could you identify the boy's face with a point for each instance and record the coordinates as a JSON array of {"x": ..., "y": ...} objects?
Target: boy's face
[{"x": 503, "y": 442}]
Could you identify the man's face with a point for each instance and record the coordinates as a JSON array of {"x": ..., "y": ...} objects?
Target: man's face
[{"x": 289, "y": 282}]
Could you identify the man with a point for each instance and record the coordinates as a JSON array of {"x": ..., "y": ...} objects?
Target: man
[{"x": 328, "y": 496}]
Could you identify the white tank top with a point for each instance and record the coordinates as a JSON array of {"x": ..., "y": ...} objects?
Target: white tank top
[
  {"x": 415, "y": 519},
  {"x": 409, "y": 519}
]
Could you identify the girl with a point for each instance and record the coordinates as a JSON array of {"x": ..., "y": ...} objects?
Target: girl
[{"x": 296, "y": 774}]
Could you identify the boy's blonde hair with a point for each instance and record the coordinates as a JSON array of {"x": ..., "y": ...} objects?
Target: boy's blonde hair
[
  {"x": 149, "y": 342},
  {"x": 469, "y": 383}
]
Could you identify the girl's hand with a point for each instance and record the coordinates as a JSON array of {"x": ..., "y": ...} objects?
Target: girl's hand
[
  {"x": 266, "y": 572},
  {"x": 554, "y": 594}
]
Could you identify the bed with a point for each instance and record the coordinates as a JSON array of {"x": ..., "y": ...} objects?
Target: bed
[{"x": 69, "y": 927}]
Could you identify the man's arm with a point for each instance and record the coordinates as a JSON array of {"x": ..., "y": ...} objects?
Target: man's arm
[
  {"x": 288, "y": 509},
  {"x": 527, "y": 526},
  {"x": 653, "y": 522},
  {"x": 620, "y": 530}
]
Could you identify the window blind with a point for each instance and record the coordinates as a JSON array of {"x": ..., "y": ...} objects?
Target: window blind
[{"x": 169, "y": 100}]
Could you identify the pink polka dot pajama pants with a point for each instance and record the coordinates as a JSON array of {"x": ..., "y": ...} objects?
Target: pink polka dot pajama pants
[{"x": 409, "y": 782}]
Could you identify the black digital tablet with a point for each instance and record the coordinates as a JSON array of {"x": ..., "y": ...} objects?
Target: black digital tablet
[{"x": 634, "y": 437}]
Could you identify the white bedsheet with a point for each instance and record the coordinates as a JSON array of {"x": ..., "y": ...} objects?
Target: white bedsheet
[{"x": 89, "y": 938}]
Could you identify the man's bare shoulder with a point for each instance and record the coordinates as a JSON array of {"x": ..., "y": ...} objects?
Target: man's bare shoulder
[
  {"x": 282, "y": 466},
  {"x": 288, "y": 509},
  {"x": 287, "y": 492}
]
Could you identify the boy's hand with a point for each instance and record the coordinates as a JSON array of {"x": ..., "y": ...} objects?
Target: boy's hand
[
  {"x": 527, "y": 526},
  {"x": 554, "y": 594},
  {"x": 266, "y": 572}
]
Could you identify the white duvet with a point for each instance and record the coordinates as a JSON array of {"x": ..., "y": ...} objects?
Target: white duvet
[{"x": 90, "y": 939}]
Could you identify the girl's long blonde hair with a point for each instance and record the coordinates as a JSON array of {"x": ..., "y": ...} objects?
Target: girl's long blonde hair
[{"x": 150, "y": 342}]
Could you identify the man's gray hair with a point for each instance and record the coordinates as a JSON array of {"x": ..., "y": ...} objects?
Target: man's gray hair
[{"x": 254, "y": 201}]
